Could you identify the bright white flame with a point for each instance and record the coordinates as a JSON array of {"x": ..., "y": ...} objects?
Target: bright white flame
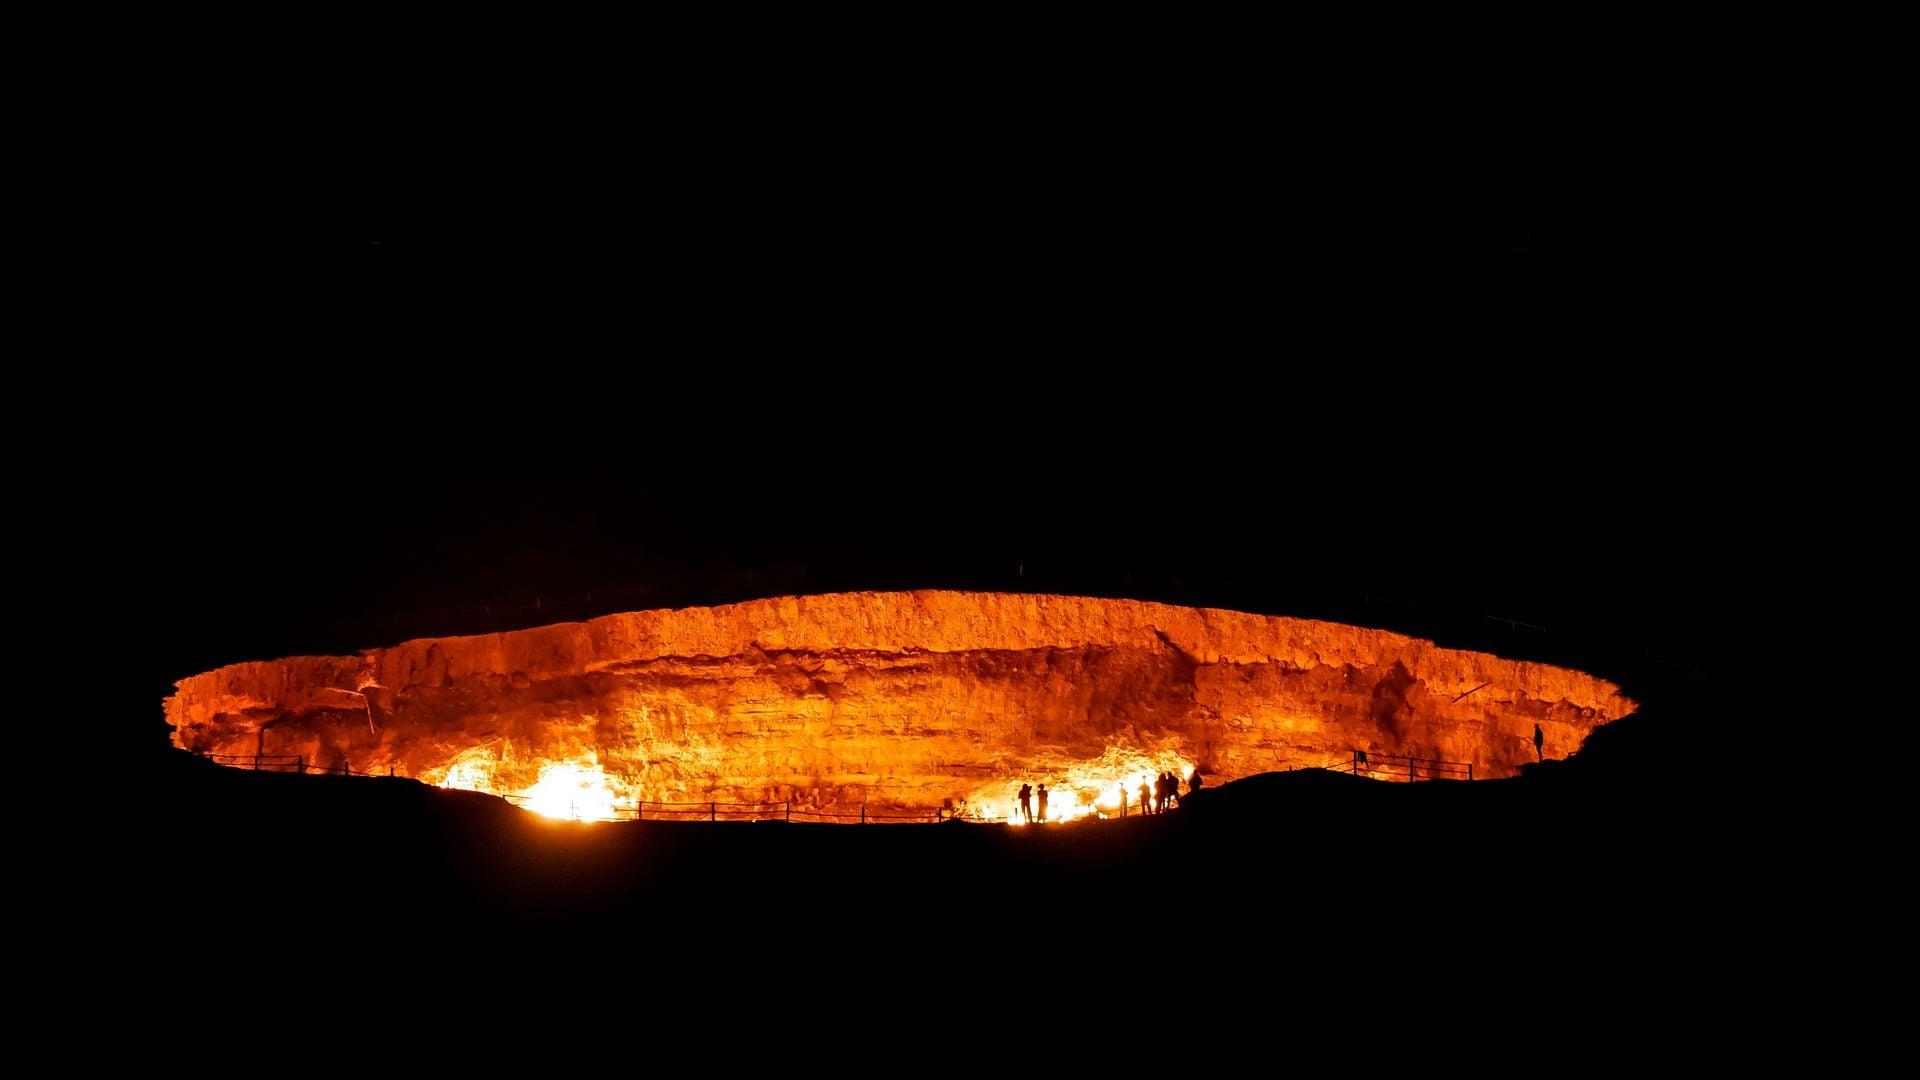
[
  {"x": 581, "y": 790},
  {"x": 1091, "y": 788},
  {"x": 469, "y": 776},
  {"x": 570, "y": 790},
  {"x": 473, "y": 770}
]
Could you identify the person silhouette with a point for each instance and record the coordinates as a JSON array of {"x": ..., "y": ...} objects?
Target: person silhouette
[
  {"x": 1539, "y": 740},
  {"x": 1146, "y": 800},
  {"x": 1026, "y": 801},
  {"x": 1043, "y": 801},
  {"x": 1123, "y": 798},
  {"x": 1193, "y": 782}
]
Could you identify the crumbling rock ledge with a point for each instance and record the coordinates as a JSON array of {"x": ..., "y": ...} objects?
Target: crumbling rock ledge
[{"x": 891, "y": 699}]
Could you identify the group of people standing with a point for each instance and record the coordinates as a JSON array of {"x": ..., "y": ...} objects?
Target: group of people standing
[
  {"x": 1162, "y": 795},
  {"x": 1026, "y": 801}
]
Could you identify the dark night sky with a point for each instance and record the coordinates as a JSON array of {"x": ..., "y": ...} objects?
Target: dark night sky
[
  {"x": 1422, "y": 383},
  {"x": 1326, "y": 322}
]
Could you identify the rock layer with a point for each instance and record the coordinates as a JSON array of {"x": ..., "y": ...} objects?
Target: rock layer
[{"x": 892, "y": 700}]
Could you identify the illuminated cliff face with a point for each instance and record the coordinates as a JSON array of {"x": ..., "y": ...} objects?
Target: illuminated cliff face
[{"x": 890, "y": 700}]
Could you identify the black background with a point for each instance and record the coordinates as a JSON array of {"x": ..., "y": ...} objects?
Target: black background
[{"x": 1352, "y": 370}]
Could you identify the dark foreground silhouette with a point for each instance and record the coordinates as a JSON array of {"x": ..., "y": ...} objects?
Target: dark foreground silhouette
[
  {"x": 336, "y": 903},
  {"x": 229, "y": 848}
]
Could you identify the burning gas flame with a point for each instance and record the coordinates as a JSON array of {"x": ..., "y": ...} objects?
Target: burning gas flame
[
  {"x": 579, "y": 789},
  {"x": 570, "y": 790},
  {"x": 1099, "y": 788},
  {"x": 575, "y": 790}
]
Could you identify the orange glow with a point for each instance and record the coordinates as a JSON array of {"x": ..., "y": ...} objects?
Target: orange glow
[
  {"x": 581, "y": 790},
  {"x": 888, "y": 704},
  {"x": 471, "y": 771},
  {"x": 572, "y": 791},
  {"x": 1083, "y": 790}
]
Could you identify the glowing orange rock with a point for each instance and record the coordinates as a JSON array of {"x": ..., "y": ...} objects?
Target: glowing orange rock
[{"x": 894, "y": 700}]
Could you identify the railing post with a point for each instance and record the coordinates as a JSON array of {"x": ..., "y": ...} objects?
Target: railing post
[
  {"x": 1469, "y": 770},
  {"x": 863, "y": 813},
  {"x": 789, "y": 812},
  {"x": 713, "y": 811}
]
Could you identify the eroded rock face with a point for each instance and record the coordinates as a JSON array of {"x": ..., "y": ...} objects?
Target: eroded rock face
[{"x": 892, "y": 700}]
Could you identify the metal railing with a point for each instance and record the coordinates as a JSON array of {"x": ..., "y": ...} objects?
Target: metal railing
[
  {"x": 287, "y": 763},
  {"x": 1364, "y": 763},
  {"x": 1399, "y": 767},
  {"x": 761, "y": 811}
]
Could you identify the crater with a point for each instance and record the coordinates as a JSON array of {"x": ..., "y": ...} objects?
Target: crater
[{"x": 891, "y": 702}]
